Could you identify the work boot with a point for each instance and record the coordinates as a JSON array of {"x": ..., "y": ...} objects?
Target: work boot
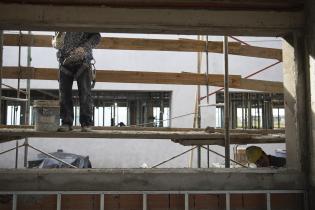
[
  {"x": 86, "y": 128},
  {"x": 65, "y": 128}
]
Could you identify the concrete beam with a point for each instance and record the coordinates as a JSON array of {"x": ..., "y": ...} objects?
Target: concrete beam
[
  {"x": 149, "y": 179},
  {"x": 153, "y": 20},
  {"x": 177, "y": 4}
]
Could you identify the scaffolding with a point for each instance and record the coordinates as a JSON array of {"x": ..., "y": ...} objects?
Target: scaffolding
[{"x": 29, "y": 40}]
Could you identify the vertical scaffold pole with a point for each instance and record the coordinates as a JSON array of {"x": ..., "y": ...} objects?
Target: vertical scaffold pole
[
  {"x": 226, "y": 103},
  {"x": 28, "y": 103}
]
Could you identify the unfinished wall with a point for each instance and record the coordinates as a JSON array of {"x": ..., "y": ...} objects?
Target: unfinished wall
[{"x": 311, "y": 62}]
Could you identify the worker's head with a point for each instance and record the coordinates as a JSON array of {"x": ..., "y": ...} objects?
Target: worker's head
[{"x": 258, "y": 156}]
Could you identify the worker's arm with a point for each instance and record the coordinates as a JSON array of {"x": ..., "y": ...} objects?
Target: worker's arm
[{"x": 92, "y": 40}]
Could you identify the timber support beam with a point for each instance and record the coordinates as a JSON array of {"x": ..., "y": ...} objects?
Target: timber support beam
[{"x": 184, "y": 78}]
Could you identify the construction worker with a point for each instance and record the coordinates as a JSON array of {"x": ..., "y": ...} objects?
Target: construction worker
[
  {"x": 75, "y": 56},
  {"x": 257, "y": 156}
]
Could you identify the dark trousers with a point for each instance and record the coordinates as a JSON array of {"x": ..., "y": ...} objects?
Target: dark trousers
[{"x": 85, "y": 97}]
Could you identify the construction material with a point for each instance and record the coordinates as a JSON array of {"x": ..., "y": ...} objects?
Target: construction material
[
  {"x": 185, "y": 78},
  {"x": 183, "y": 137},
  {"x": 181, "y": 45},
  {"x": 245, "y": 22},
  {"x": 226, "y": 102},
  {"x": 46, "y": 115}
]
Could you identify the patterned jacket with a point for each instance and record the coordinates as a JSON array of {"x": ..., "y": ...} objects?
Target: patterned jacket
[{"x": 74, "y": 40}]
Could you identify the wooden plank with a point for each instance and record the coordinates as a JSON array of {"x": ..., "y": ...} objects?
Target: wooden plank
[
  {"x": 182, "y": 137},
  {"x": 262, "y": 85},
  {"x": 186, "y": 45},
  {"x": 185, "y": 78},
  {"x": 235, "y": 139},
  {"x": 243, "y": 22}
]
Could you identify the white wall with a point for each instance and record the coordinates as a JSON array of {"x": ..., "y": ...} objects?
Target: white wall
[{"x": 110, "y": 153}]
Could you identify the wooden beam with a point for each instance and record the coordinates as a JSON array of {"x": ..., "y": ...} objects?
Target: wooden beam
[
  {"x": 139, "y": 128},
  {"x": 187, "y": 45},
  {"x": 244, "y": 22},
  {"x": 235, "y": 139},
  {"x": 262, "y": 85},
  {"x": 193, "y": 137},
  {"x": 148, "y": 78}
]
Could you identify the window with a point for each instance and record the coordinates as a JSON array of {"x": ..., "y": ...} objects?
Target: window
[
  {"x": 13, "y": 115},
  {"x": 278, "y": 117},
  {"x": 252, "y": 110},
  {"x": 142, "y": 108}
]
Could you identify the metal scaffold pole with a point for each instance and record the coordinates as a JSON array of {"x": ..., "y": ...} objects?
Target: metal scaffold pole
[
  {"x": 226, "y": 103},
  {"x": 27, "y": 104}
]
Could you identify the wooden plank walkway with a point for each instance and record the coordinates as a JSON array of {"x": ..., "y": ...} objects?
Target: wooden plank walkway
[{"x": 183, "y": 136}]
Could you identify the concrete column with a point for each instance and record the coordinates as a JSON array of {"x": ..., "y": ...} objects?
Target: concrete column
[
  {"x": 294, "y": 81},
  {"x": 311, "y": 63}
]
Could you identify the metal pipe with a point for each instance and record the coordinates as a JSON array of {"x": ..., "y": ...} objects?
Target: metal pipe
[
  {"x": 14, "y": 202},
  {"x": 28, "y": 86},
  {"x": 16, "y": 154},
  {"x": 227, "y": 201},
  {"x": 14, "y": 99},
  {"x": 236, "y": 39},
  {"x": 161, "y": 192},
  {"x": 246, "y": 77},
  {"x": 58, "y": 207},
  {"x": 53, "y": 157},
  {"x": 102, "y": 201},
  {"x": 13, "y": 88},
  {"x": 144, "y": 201},
  {"x": 223, "y": 156},
  {"x": 25, "y": 152},
  {"x": 186, "y": 201},
  {"x": 173, "y": 157},
  {"x": 208, "y": 157},
  {"x": 19, "y": 65},
  {"x": 268, "y": 201},
  {"x": 207, "y": 69},
  {"x": 9, "y": 150},
  {"x": 226, "y": 103}
]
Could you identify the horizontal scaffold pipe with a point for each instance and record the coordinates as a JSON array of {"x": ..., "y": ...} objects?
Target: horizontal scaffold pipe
[
  {"x": 187, "y": 45},
  {"x": 115, "y": 76}
]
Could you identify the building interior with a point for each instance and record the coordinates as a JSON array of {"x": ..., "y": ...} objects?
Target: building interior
[{"x": 170, "y": 138}]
